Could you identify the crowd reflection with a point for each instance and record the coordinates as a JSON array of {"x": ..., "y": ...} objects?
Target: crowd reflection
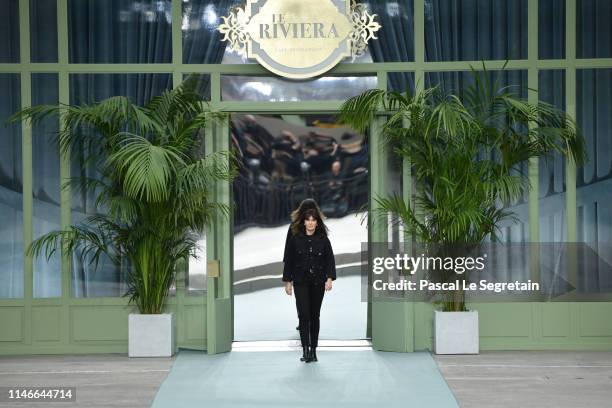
[{"x": 283, "y": 162}]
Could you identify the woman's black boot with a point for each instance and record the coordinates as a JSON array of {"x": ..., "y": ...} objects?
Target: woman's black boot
[
  {"x": 305, "y": 355},
  {"x": 313, "y": 354}
]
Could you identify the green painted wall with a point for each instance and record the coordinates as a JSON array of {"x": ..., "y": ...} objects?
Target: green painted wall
[{"x": 97, "y": 325}]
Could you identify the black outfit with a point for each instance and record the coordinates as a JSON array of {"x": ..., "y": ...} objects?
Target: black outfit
[{"x": 309, "y": 261}]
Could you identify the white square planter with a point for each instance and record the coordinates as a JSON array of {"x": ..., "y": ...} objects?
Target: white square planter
[
  {"x": 151, "y": 335},
  {"x": 456, "y": 332}
]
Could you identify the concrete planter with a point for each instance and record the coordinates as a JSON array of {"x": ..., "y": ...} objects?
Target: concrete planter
[
  {"x": 151, "y": 335},
  {"x": 456, "y": 332}
]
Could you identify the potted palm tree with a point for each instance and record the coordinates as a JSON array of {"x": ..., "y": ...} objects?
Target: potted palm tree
[
  {"x": 464, "y": 155},
  {"x": 153, "y": 197}
]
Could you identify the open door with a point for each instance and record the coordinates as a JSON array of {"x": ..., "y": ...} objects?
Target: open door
[{"x": 219, "y": 313}]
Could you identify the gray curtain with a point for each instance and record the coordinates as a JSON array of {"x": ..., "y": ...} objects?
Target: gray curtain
[
  {"x": 120, "y": 31},
  {"x": 395, "y": 41},
  {"x": 9, "y": 31},
  {"x": 593, "y": 29},
  {"x": 43, "y": 30},
  {"x": 551, "y": 27},
  {"x": 472, "y": 30}
]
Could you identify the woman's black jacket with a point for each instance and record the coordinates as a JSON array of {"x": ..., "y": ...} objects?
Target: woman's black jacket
[{"x": 308, "y": 259}]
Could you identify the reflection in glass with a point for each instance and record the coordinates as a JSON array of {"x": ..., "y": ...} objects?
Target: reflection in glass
[
  {"x": 46, "y": 186},
  {"x": 552, "y": 169},
  {"x": 272, "y": 89},
  {"x": 284, "y": 160},
  {"x": 43, "y": 30},
  {"x": 196, "y": 278},
  {"x": 11, "y": 189},
  {"x": 107, "y": 280},
  {"x": 201, "y": 40},
  {"x": 120, "y": 31},
  {"x": 200, "y": 83},
  {"x": 594, "y": 178},
  {"x": 9, "y": 31},
  {"x": 474, "y": 30}
]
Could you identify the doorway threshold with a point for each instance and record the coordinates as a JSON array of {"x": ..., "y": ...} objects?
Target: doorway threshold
[{"x": 291, "y": 345}]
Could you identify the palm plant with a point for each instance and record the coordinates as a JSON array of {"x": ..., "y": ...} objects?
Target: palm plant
[
  {"x": 153, "y": 193},
  {"x": 465, "y": 155}
]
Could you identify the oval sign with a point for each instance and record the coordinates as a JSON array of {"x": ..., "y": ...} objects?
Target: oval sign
[{"x": 298, "y": 39}]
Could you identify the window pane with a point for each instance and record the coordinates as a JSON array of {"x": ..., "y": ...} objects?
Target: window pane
[
  {"x": 551, "y": 85},
  {"x": 594, "y": 179},
  {"x": 396, "y": 36},
  {"x": 120, "y": 31},
  {"x": 551, "y": 29},
  {"x": 472, "y": 30},
  {"x": 43, "y": 30},
  {"x": 9, "y": 31},
  {"x": 85, "y": 88},
  {"x": 271, "y": 89},
  {"x": 46, "y": 187},
  {"x": 400, "y": 81},
  {"x": 11, "y": 189},
  {"x": 196, "y": 279},
  {"x": 516, "y": 80},
  {"x": 201, "y": 40},
  {"x": 201, "y": 84},
  {"x": 593, "y": 29},
  {"x": 283, "y": 160}
]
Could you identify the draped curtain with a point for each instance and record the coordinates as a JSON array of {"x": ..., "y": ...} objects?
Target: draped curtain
[
  {"x": 120, "y": 31},
  {"x": 395, "y": 41},
  {"x": 9, "y": 31},
  {"x": 473, "y": 30}
]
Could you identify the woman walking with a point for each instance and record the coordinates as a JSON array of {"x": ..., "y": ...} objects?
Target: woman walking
[{"x": 309, "y": 271}]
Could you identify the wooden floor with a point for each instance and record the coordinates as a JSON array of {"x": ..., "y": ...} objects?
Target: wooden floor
[
  {"x": 107, "y": 380},
  {"x": 530, "y": 379}
]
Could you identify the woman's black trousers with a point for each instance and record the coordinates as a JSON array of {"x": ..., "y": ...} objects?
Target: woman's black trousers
[{"x": 308, "y": 298}]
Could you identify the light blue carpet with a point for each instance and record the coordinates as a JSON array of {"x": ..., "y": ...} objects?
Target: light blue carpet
[{"x": 277, "y": 379}]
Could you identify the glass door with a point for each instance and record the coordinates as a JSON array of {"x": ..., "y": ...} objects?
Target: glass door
[{"x": 285, "y": 159}]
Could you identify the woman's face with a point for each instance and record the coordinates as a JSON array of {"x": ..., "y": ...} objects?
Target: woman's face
[{"x": 310, "y": 224}]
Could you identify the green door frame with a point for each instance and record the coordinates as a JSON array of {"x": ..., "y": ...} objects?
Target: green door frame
[{"x": 389, "y": 324}]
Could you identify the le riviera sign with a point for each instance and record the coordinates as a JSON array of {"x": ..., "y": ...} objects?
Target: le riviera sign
[{"x": 297, "y": 38}]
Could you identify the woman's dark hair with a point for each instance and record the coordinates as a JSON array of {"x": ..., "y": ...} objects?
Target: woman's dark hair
[
  {"x": 297, "y": 216},
  {"x": 307, "y": 204},
  {"x": 298, "y": 226}
]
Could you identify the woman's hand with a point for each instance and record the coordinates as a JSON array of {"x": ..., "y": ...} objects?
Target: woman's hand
[
  {"x": 328, "y": 284},
  {"x": 288, "y": 288}
]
